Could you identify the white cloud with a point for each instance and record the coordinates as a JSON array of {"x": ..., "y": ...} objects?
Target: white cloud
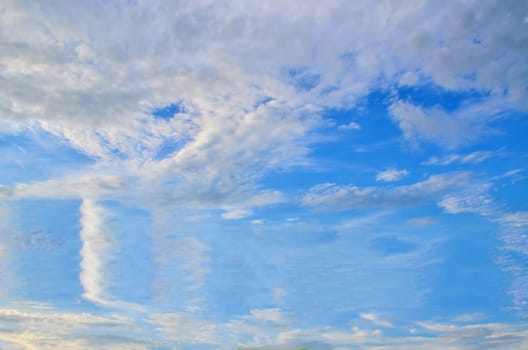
[
  {"x": 512, "y": 172},
  {"x": 473, "y": 199},
  {"x": 96, "y": 248},
  {"x": 350, "y": 126},
  {"x": 374, "y": 318},
  {"x": 50, "y": 329},
  {"x": 329, "y": 195},
  {"x": 354, "y": 336},
  {"x": 409, "y": 79},
  {"x": 96, "y": 90},
  {"x": 45, "y": 328},
  {"x": 391, "y": 175},
  {"x": 476, "y": 199},
  {"x": 97, "y": 255},
  {"x": 94, "y": 84},
  {"x": 471, "y": 158},
  {"x": 471, "y": 337},
  {"x": 236, "y": 214},
  {"x": 518, "y": 219},
  {"x": 512, "y": 259},
  {"x": 437, "y": 126},
  {"x": 272, "y": 315}
]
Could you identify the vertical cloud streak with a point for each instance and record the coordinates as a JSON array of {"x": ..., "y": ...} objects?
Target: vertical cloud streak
[{"x": 95, "y": 249}]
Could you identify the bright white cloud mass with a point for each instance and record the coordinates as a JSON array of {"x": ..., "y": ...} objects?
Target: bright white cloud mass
[{"x": 263, "y": 174}]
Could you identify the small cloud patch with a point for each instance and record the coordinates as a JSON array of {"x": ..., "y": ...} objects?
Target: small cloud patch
[
  {"x": 236, "y": 214},
  {"x": 350, "y": 126},
  {"x": 391, "y": 175}
]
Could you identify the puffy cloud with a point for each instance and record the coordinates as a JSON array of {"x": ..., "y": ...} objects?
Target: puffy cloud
[
  {"x": 438, "y": 126},
  {"x": 232, "y": 70}
]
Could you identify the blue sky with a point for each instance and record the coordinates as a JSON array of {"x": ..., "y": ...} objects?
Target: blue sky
[{"x": 264, "y": 175}]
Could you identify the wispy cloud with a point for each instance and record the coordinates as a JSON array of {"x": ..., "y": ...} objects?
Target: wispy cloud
[
  {"x": 391, "y": 175},
  {"x": 438, "y": 126},
  {"x": 236, "y": 214},
  {"x": 335, "y": 196},
  {"x": 376, "y": 319},
  {"x": 181, "y": 263},
  {"x": 269, "y": 315},
  {"x": 470, "y": 158},
  {"x": 350, "y": 126},
  {"x": 473, "y": 199},
  {"x": 51, "y": 329},
  {"x": 263, "y": 329},
  {"x": 518, "y": 219},
  {"x": 470, "y": 318},
  {"x": 514, "y": 250}
]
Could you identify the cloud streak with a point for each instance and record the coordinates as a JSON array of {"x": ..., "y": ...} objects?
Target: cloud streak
[
  {"x": 471, "y": 158},
  {"x": 96, "y": 247},
  {"x": 333, "y": 196},
  {"x": 391, "y": 175}
]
